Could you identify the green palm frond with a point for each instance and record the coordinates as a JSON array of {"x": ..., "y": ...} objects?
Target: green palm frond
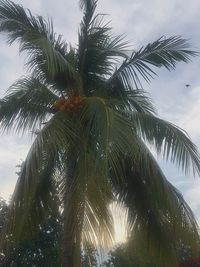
[
  {"x": 93, "y": 186},
  {"x": 47, "y": 54},
  {"x": 109, "y": 134},
  {"x": 102, "y": 49},
  {"x": 139, "y": 101},
  {"x": 32, "y": 196},
  {"x": 169, "y": 139},
  {"x": 130, "y": 101},
  {"x": 98, "y": 49},
  {"x": 165, "y": 52},
  {"x": 87, "y": 196},
  {"x": 32, "y": 200},
  {"x": 88, "y": 7},
  {"x": 160, "y": 230},
  {"x": 27, "y": 105},
  {"x": 106, "y": 129},
  {"x": 59, "y": 133},
  {"x": 156, "y": 209}
]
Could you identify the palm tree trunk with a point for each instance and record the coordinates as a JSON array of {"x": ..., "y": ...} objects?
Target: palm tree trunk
[
  {"x": 73, "y": 219},
  {"x": 71, "y": 241},
  {"x": 67, "y": 251},
  {"x": 71, "y": 253}
]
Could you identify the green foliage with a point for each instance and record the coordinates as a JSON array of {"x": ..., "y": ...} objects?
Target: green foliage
[
  {"x": 90, "y": 258},
  {"x": 43, "y": 248},
  {"x": 137, "y": 255},
  {"x": 40, "y": 250},
  {"x": 120, "y": 257}
]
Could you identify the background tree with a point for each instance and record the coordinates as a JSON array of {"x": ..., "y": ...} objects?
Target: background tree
[
  {"x": 119, "y": 257},
  {"x": 39, "y": 250},
  {"x": 90, "y": 258},
  {"x": 93, "y": 122},
  {"x": 135, "y": 252},
  {"x": 43, "y": 249}
]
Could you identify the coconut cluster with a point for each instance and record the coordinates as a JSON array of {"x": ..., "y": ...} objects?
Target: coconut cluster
[{"x": 72, "y": 104}]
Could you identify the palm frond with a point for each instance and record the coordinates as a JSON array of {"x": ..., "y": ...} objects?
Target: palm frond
[
  {"x": 86, "y": 199},
  {"x": 169, "y": 139},
  {"x": 98, "y": 224},
  {"x": 30, "y": 207},
  {"x": 165, "y": 52},
  {"x": 152, "y": 202},
  {"x": 98, "y": 51},
  {"x": 108, "y": 133},
  {"x": 164, "y": 231},
  {"x": 130, "y": 101},
  {"x": 46, "y": 52},
  {"x": 32, "y": 195},
  {"x": 156, "y": 209},
  {"x": 88, "y": 6},
  {"x": 140, "y": 102},
  {"x": 27, "y": 105}
]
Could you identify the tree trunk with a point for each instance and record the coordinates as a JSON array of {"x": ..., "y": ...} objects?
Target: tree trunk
[
  {"x": 71, "y": 241},
  {"x": 67, "y": 251},
  {"x": 73, "y": 219}
]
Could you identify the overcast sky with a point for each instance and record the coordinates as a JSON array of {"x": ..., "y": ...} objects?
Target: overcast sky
[{"x": 143, "y": 21}]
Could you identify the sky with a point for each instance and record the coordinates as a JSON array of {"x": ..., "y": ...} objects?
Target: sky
[{"x": 142, "y": 21}]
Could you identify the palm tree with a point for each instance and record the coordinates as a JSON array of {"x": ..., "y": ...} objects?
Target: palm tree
[{"x": 92, "y": 124}]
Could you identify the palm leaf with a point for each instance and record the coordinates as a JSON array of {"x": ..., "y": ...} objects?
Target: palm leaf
[
  {"x": 130, "y": 101},
  {"x": 27, "y": 105},
  {"x": 98, "y": 49},
  {"x": 156, "y": 209},
  {"x": 46, "y": 53},
  {"x": 33, "y": 191},
  {"x": 87, "y": 190},
  {"x": 88, "y": 7},
  {"x": 165, "y": 52},
  {"x": 167, "y": 138}
]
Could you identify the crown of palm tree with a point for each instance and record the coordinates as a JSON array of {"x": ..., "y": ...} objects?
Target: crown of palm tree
[{"x": 93, "y": 122}]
